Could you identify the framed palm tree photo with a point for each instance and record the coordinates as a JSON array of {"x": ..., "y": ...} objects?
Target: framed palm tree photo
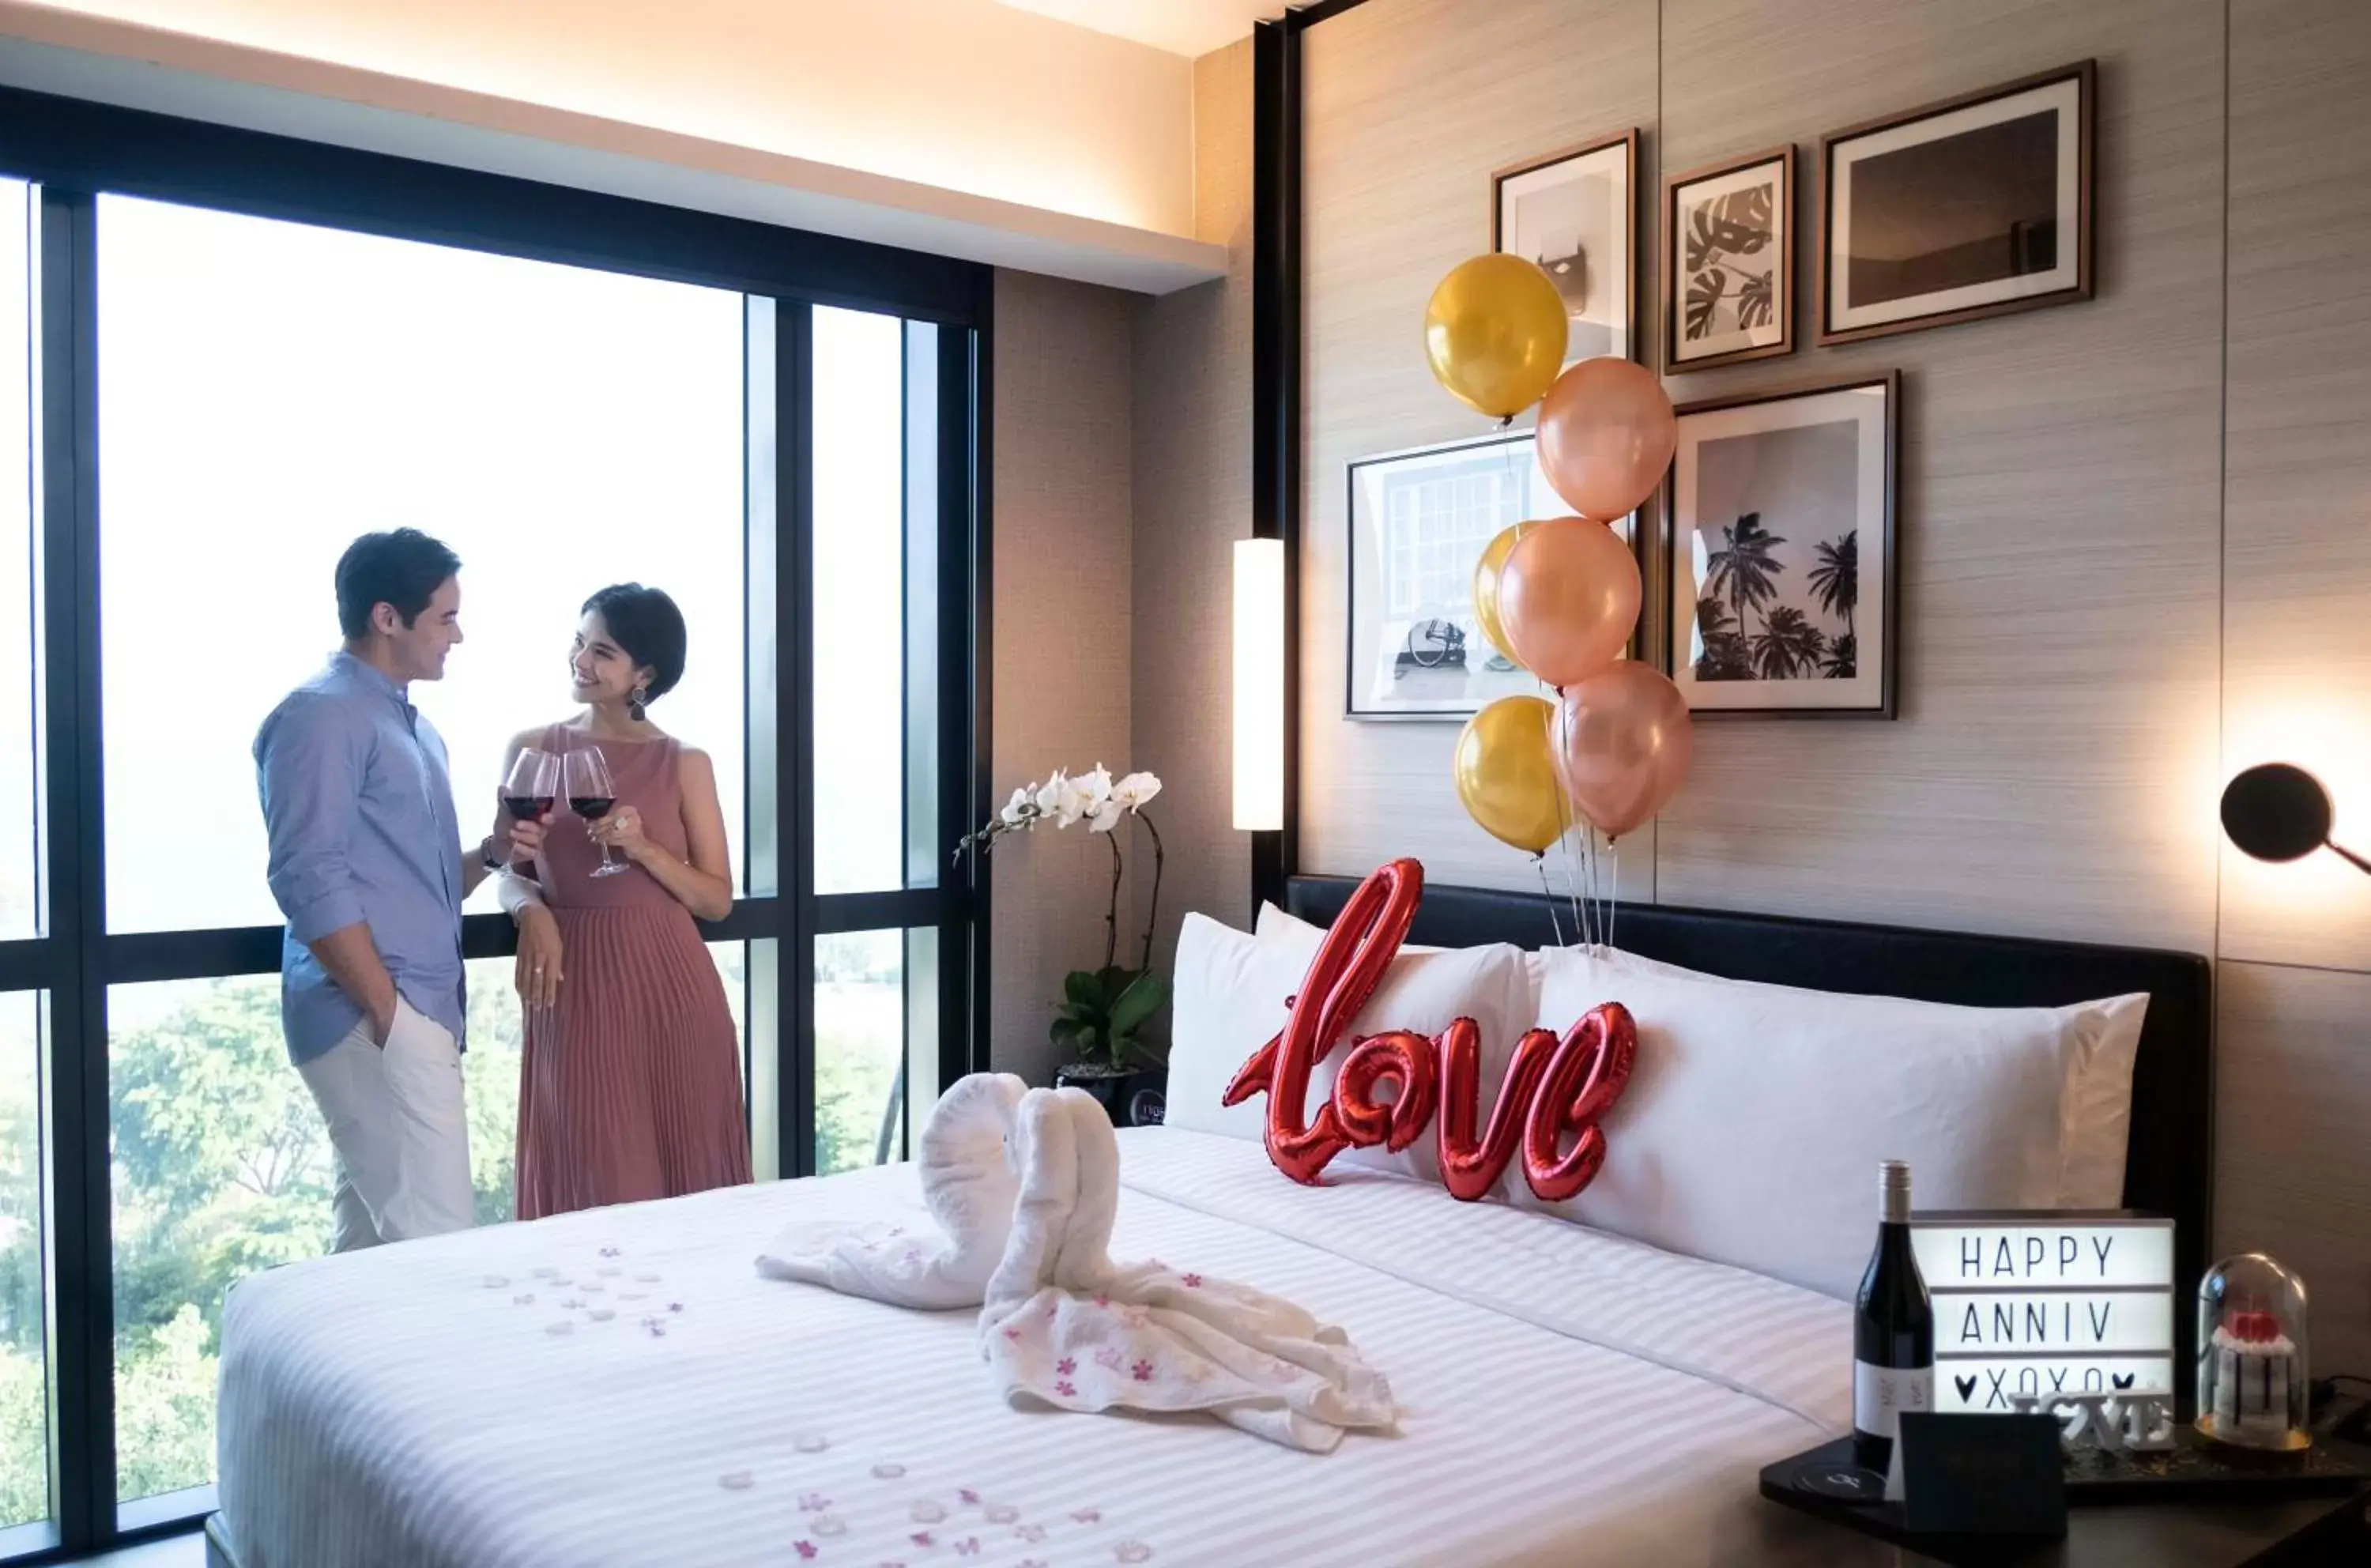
[
  {"x": 1728, "y": 262},
  {"x": 1781, "y": 563}
]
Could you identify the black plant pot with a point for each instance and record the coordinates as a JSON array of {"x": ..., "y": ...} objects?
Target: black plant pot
[{"x": 1131, "y": 1097}]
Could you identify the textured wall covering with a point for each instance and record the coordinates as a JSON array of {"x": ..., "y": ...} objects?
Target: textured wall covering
[
  {"x": 2105, "y": 609},
  {"x": 2293, "y": 1169},
  {"x": 1192, "y": 500},
  {"x": 1062, "y": 642}
]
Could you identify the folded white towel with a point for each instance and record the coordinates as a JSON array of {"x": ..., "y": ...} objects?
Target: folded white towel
[
  {"x": 1061, "y": 1324},
  {"x": 969, "y": 1182},
  {"x": 1064, "y": 1326}
]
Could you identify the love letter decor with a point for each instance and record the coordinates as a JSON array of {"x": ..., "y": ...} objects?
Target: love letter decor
[{"x": 1554, "y": 1089}]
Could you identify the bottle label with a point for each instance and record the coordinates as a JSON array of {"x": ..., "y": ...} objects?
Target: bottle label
[{"x": 1882, "y": 1393}]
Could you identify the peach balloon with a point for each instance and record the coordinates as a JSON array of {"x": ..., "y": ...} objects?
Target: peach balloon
[
  {"x": 1621, "y": 741},
  {"x": 1606, "y": 434},
  {"x": 1568, "y": 599}
]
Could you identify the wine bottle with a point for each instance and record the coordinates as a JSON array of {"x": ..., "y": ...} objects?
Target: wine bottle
[{"x": 1893, "y": 1330}]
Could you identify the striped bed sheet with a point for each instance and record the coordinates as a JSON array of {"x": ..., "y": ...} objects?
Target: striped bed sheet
[{"x": 620, "y": 1387}]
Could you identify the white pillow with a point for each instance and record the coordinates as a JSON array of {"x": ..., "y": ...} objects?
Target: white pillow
[
  {"x": 1230, "y": 1001},
  {"x": 1755, "y": 1118}
]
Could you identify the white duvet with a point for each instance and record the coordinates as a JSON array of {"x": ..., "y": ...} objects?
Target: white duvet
[{"x": 621, "y": 1387}]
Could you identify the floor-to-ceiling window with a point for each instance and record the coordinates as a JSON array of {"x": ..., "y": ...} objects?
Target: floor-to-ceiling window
[{"x": 211, "y": 403}]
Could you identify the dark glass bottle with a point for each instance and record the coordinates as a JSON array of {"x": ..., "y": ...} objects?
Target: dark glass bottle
[{"x": 1893, "y": 1330}]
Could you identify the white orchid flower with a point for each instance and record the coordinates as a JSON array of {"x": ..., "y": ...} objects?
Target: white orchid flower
[
  {"x": 1105, "y": 817},
  {"x": 1070, "y": 800},
  {"x": 1022, "y": 810},
  {"x": 1135, "y": 792},
  {"x": 1051, "y": 794},
  {"x": 1096, "y": 787}
]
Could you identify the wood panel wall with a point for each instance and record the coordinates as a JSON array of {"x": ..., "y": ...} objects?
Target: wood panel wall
[{"x": 2136, "y": 533}]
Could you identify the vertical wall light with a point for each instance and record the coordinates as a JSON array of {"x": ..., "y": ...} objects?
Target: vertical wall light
[{"x": 1259, "y": 686}]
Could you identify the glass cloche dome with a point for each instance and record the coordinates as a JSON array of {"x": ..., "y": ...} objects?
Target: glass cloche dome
[{"x": 2251, "y": 1355}]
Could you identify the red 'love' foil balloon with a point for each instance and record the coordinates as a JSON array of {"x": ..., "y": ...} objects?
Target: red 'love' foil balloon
[
  {"x": 1586, "y": 1078},
  {"x": 1349, "y": 964},
  {"x": 1471, "y": 1168},
  {"x": 1402, "y": 1059},
  {"x": 1554, "y": 1089}
]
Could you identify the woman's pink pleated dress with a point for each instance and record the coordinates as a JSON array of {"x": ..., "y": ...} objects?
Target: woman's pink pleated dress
[{"x": 631, "y": 1085}]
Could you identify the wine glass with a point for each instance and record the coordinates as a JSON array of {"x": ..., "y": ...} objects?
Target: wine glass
[
  {"x": 532, "y": 787},
  {"x": 591, "y": 793}
]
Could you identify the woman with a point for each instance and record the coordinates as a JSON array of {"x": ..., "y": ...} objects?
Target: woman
[{"x": 631, "y": 1085}]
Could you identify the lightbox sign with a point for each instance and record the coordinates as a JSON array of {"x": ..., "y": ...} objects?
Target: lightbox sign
[{"x": 2043, "y": 1304}]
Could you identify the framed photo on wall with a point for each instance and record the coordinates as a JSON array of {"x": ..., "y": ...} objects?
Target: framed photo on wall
[
  {"x": 1781, "y": 570},
  {"x": 1419, "y": 521},
  {"x": 1728, "y": 262},
  {"x": 1570, "y": 212},
  {"x": 1973, "y": 207}
]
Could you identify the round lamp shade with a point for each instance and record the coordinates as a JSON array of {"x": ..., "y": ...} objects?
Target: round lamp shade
[{"x": 2276, "y": 811}]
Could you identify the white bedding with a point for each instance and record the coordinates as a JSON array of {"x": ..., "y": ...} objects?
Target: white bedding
[{"x": 1570, "y": 1398}]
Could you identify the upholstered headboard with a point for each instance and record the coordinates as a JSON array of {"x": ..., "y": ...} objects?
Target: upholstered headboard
[{"x": 2169, "y": 1165}]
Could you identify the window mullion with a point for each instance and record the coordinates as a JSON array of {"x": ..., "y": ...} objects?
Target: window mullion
[
  {"x": 794, "y": 683},
  {"x": 79, "y": 1244}
]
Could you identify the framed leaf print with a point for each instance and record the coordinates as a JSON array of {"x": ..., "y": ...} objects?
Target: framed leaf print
[{"x": 1728, "y": 262}]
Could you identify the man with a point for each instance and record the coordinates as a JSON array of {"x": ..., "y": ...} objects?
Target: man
[{"x": 366, "y": 865}]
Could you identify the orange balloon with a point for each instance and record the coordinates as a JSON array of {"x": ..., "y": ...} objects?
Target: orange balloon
[
  {"x": 1606, "y": 434},
  {"x": 1485, "y": 585},
  {"x": 1622, "y": 740},
  {"x": 1494, "y": 331},
  {"x": 1568, "y": 599},
  {"x": 1506, "y": 780}
]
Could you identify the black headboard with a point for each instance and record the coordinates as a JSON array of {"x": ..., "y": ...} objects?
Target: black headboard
[{"x": 2169, "y": 1166}]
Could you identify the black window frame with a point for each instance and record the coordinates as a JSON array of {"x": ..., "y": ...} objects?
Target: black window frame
[{"x": 75, "y": 150}]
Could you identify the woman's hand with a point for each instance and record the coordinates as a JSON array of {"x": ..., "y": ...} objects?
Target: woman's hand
[
  {"x": 622, "y": 830},
  {"x": 538, "y": 972},
  {"x": 519, "y": 841}
]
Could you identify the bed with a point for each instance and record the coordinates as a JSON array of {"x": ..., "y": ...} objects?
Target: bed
[{"x": 620, "y": 1387}]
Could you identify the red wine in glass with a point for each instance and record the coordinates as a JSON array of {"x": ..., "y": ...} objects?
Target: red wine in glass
[
  {"x": 534, "y": 782},
  {"x": 591, "y": 793}
]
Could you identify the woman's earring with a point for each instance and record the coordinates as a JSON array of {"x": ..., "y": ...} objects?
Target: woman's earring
[{"x": 634, "y": 704}]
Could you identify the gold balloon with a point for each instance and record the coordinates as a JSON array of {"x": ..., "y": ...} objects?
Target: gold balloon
[
  {"x": 1495, "y": 332},
  {"x": 1485, "y": 589},
  {"x": 1506, "y": 775}
]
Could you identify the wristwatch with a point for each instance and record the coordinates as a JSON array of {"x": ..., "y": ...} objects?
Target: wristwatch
[{"x": 486, "y": 855}]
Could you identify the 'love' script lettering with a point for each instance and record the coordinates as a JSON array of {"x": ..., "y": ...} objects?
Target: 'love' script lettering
[{"x": 1556, "y": 1088}]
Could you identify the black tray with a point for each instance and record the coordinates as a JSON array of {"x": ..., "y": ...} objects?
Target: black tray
[{"x": 2192, "y": 1471}]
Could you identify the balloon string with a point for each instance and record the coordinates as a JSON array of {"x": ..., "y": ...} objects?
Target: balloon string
[
  {"x": 1596, "y": 908},
  {"x": 1541, "y": 862},
  {"x": 1613, "y": 909},
  {"x": 1572, "y": 892}
]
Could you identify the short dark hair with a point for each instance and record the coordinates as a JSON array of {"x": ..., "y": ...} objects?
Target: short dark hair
[
  {"x": 646, "y": 625},
  {"x": 402, "y": 568}
]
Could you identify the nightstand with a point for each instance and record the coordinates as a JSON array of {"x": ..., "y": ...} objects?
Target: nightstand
[{"x": 2305, "y": 1531}]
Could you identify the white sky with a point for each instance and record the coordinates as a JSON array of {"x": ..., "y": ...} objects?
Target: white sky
[{"x": 270, "y": 390}]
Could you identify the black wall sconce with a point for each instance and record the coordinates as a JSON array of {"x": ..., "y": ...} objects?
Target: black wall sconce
[{"x": 2277, "y": 810}]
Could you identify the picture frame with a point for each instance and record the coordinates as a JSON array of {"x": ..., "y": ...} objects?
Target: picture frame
[
  {"x": 1977, "y": 207},
  {"x": 1789, "y": 616},
  {"x": 1573, "y": 210},
  {"x": 1418, "y": 523},
  {"x": 1728, "y": 262}
]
